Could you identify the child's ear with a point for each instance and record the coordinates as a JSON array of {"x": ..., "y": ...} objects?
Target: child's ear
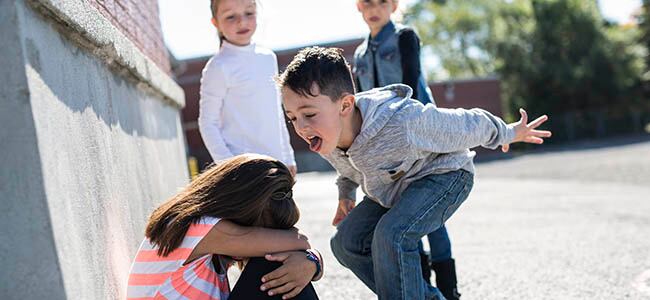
[
  {"x": 347, "y": 104},
  {"x": 358, "y": 5},
  {"x": 214, "y": 22}
]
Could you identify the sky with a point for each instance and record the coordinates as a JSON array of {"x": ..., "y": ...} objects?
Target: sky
[{"x": 293, "y": 23}]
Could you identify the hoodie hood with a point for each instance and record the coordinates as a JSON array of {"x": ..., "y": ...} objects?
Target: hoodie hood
[{"x": 377, "y": 106}]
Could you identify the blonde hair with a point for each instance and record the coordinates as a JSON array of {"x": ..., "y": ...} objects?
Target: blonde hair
[
  {"x": 394, "y": 1},
  {"x": 214, "y": 6},
  {"x": 398, "y": 15}
]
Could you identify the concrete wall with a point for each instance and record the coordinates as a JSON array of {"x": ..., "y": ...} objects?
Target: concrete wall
[{"x": 90, "y": 142}]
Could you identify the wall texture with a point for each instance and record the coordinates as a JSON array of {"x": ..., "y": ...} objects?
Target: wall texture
[
  {"x": 91, "y": 142},
  {"x": 140, "y": 22}
]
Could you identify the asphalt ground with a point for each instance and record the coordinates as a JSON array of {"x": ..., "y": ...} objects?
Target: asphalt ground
[{"x": 568, "y": 222}]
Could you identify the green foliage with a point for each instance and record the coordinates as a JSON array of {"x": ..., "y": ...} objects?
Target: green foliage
[
  {"x": 578, "y": 64},
  {"x": 553, "y": 56},
  {"x": 644, "y": 39},
  {"x": 644, "y": 27},
  {"x": 458, "y": 33}
]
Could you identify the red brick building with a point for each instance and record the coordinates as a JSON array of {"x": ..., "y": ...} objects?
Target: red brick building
[
  {"x": 483, "y": 93},
  {"x": 139, "y": 20}
]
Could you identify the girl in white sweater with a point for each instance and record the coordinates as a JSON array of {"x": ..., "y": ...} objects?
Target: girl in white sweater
[{"x": 240, "y": 107}]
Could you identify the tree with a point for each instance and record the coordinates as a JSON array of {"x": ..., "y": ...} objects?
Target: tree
[
  {"x": 578, "y": 64},
  {"x": 458, "y": 33},
  {"x": 644, "y": 38},
  {"x": 474, "y": 38},
  {"x": 551, "y": 55}
]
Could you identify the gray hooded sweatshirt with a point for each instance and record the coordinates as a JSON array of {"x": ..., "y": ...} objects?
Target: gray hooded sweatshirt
[{"x": 401, "y": 141}]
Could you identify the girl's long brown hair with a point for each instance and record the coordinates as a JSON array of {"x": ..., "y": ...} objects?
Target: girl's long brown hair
[{"x": 248, "y": 189}]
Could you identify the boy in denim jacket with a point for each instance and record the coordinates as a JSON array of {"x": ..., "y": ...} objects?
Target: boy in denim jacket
[
  {"x": 391, "y": 54},
  {"x": 411, "y": 160}
]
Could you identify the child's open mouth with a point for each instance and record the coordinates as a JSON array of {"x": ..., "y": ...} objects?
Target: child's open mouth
[{"x": 314, "y": 143}]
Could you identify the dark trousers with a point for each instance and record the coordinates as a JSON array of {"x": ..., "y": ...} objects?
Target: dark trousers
[{"x": 248, "y": 285}]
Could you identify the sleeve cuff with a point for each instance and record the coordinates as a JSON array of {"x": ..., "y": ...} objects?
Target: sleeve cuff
[
  {"x": 510, "y": 134},
  {"x": 349, "y": 194}
]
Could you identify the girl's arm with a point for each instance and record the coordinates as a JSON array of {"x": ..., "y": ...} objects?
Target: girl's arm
[
  {"x": 287, "y": 150},
  {"x": 409, "y": 47},
  {"x": 228, "y": 238},
  {"x": 213, "y": 91}
]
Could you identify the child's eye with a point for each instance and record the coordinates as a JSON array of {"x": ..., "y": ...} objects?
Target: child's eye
[{"x": 309, "y": 116}]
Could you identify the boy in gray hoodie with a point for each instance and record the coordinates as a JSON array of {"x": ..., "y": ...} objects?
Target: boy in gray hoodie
[{"x": 411, "y": 160}]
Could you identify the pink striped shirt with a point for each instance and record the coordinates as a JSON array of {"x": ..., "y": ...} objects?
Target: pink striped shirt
[{"x": 157, "y": 277}]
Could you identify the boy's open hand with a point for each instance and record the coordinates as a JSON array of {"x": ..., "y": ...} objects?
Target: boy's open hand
[
  {"x": 526, "y": 132},
  {"x": 342, "y": 211}
]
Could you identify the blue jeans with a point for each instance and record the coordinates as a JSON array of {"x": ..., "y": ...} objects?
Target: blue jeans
[
  {"x": 380, "y": 245},
  {"x": 439, "y": 245}
]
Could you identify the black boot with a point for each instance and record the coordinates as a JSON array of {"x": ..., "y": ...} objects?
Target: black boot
[
  {"x": 446, "y": 278},
  {"x": 424, "y": 263}
]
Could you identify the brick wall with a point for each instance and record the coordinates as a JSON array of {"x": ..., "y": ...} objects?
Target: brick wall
[
  {"x": 348, "y": 46},
  {"x": 139, "y": 21},
  {"x": 483, "y": 93}
]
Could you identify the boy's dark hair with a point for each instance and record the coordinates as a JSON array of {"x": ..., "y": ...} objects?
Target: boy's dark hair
[{"x": 324, "y": 66}]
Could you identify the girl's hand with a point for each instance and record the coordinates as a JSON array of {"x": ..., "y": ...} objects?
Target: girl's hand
[
  {"x": 527, "y": 133},
  {"x": 289, "y": 279},
  {"x": 342, "y": 211}
]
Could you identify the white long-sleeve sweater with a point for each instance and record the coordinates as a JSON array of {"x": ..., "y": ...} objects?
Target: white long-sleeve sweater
[{"x": 240, "y": 106}]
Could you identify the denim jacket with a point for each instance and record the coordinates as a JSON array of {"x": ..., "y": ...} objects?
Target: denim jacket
[{"x": 383, "y": 53}]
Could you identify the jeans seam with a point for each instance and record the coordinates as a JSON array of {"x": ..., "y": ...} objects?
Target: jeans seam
[
  {"x": 403, "y": 233},
  {"x": 455, "y": 201}
]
